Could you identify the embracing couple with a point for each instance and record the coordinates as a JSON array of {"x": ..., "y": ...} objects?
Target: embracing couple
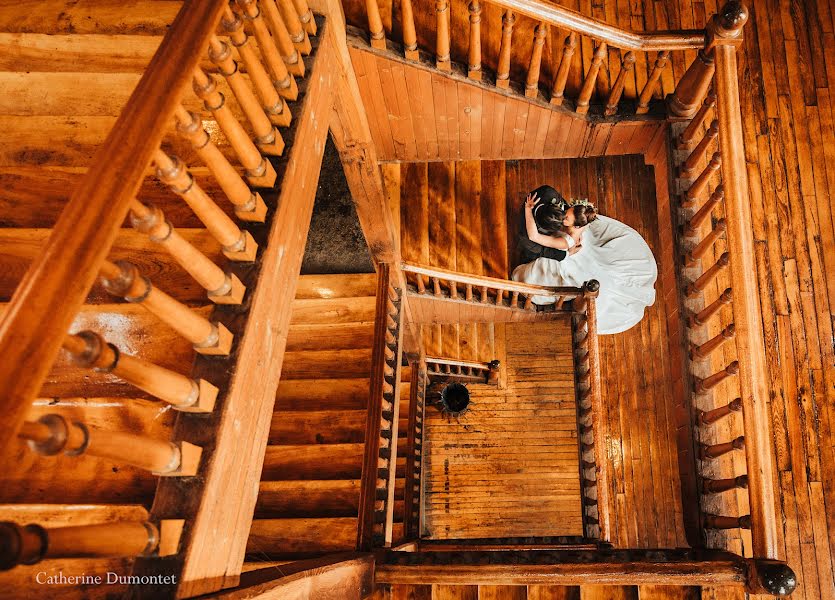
[{"x": 566, "y": 243}]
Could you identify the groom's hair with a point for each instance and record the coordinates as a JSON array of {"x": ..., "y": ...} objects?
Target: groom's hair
[{"x": 550, "y": 210}]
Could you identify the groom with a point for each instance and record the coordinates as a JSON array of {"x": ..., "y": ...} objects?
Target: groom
[{"x": 549, "y": 213}]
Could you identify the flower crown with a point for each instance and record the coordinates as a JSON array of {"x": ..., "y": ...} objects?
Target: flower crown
[{"x": 582, "y": 202}]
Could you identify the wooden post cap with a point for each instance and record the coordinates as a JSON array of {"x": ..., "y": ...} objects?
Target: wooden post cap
[
  {"x": 772, "y": 577},
  {"x": 731, "y": 19},
  {"x": 21, "y": 545}
]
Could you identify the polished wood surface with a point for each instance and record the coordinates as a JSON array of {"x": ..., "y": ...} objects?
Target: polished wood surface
[
  {"x": 474, "y": 473},
  {"x": 644, "y": 469},
  {"x": 419, "y": 113},
  {"x": 90, "y": 222}
]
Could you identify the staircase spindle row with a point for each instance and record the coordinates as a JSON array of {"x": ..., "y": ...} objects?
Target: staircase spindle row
[
  {"x": 609, "y": 97},
  {"x": 270, "y": 40},
  {"x": 445, "y": 369},
  {"x": 704, "y": 242},
  {"x": 376, "y": 513},
  {"x": 449, "y": 285},
  {"x": 414, "y": 453}
]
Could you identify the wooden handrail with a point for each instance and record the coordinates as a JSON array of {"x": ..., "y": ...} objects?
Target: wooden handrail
[
  {"x": 56, "y": 284},
  {"x": 481, "y": 366},
  {"x": 750, "y": 344},
  {"x": 565, "y": 18},
  {"x": 491, "y": 282}
]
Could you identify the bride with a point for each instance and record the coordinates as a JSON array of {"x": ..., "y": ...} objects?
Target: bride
[{"x": 597, "y": 248}]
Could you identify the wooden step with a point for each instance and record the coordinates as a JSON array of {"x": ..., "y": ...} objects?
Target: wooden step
[
  {"x": 325, "y": 461},
  {"x": 281, "y": 537},
  {"x": 337, "y": 286},
  {"x": 339, "y": 336},
  {"x": 326, "y": 393},
  {"x": 312, "y": 364},
  {"x": 315, "y": 311},
  {"x": 312, "y": 498},
  {"x": 317, "y": 427}
]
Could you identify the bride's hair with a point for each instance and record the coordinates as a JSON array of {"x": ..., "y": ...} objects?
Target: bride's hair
[
  {"x": 583, "y": 214},
  {"x": 549, "y": 211}
]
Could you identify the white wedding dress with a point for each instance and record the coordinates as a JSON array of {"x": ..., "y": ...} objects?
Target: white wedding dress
[{"x": 615, "y": 255}]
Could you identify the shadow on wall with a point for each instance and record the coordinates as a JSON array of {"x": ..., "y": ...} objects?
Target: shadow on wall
[{"x": 335, "y": 243}]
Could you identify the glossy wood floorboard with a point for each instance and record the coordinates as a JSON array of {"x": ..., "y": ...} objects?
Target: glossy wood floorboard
[{"x": 509, "y": 467}]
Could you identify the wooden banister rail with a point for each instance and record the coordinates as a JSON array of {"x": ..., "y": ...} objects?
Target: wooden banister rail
[
  {"x": 57, "y": 282},
  {"x": 376, "y": 504},
  {"x": 750, "y": 344},
  {"x": 565, "y": 18},
  {"x": 581, "y": 567},
  {"x": 30, "y": 544},
  {"x": 478, "y": 282},
  {"x": 414, "y": 453}
]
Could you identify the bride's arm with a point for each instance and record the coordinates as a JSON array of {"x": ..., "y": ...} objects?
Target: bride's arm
[{"x": 533, "y": 233}]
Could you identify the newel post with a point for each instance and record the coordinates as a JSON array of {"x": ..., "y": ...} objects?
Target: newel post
[
  {"x": 753, "y": 375},
  {"x": 723, "y": 29}
]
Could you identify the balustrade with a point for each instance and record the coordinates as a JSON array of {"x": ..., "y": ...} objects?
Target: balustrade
[
  {"x": 532, "y": 82},
  {"x": 695, "y": 158},
  {"x": 281, "y": 36}
]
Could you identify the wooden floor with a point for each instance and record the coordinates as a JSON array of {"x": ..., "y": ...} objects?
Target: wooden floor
[
  {"x": 509, "y": 467},
  {"x": 481, "y": 202}
]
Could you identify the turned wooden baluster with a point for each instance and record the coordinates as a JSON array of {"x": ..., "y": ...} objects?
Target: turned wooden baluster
[
  {"x": 708, "y": 311},
  {"x": 696, "y": 221},
  {"x": 90, "y": 350},
  {"x": 124, "y": 280},
  {"x": 474, "y": 62},
  {"x": 377, "y": 37},
  {"x": 249, "y": 206},
  {"x": 706, "y": 277},
  {"x": 652, "y": 82},
  {"x": 707, "y": 452},
  {"x": 421, "y": 287},
  {"x": 484, "y": 294},
  {"x": 236, "y": 244},
  {"x": 701, "y": 181},
  {"x": 30, "y": 544},
  {"x": 591, "y": 78},
  {"x": 558, "y": 90},
  {"x": 289, "y": 54},
  {"x": 468, "y": 292},
  {"x": 52, "y": 434},
  {"x": 693, "y": 85},
  {"x": 407, "y": 18},
  {"x": 299, "y": 36},
  {"x": 258, "y": 169},
  {"x": 721, "y": 522},
  {"x": 532, "y": 82},
  {"x": 712, "y": 416},
  {"x": 688, "y": 137},
  {"x": 267, "y": 137},
  {"x": 727, "y": 25},
  {"x": 627, "y": 65},
  {"x": 222, "y": 288},
  {"x": 716, "y": 486},
  {"x": 503, "y": 68},
  {"x": 271, "y": 88},
  {"x": 305, "y": 16},
  {"x": 453, "y": 290},
  {"x": 499, "y": 297},
  {"x": 711, "y": 381},
  {"x": 442, "y": 61},
  {"x": 706, "y": 244},
  {"x": 436, "y": 286},
  {"x": 692, "y": 162},
  {"x": 704, "y": 350}
]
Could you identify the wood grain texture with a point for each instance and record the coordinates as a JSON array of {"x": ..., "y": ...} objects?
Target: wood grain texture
[
  {"x": 474, "y": 478},
  {"x": 460, "y": 105}
]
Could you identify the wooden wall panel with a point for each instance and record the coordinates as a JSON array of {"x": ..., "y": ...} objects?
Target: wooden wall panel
[{"x": 418, "y": 113}]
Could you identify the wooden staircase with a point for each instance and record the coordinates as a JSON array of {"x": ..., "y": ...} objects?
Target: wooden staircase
[
  {"x": 310, "y": 486},
  {"x": 543, "y": 592}
]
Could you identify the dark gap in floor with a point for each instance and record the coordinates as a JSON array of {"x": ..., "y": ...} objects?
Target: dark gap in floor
[{"x": 335, "y": 242}]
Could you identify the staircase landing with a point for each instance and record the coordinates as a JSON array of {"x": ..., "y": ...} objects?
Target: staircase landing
[{"x": 509, "y": 467}]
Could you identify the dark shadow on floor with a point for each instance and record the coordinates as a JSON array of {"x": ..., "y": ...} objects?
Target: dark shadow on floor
[{"x": 335, "y": 243}]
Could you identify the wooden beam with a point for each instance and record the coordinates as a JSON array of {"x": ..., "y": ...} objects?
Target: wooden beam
[
  {"x": 221, "y": 501},
  {"x": 335, "y": 577},
  {"x": 351, "y": 134},
  {"x": 564, "y": 567}
]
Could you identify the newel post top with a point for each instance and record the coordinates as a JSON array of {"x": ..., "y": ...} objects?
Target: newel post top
[
  {"x": 771, "y": 577},
  {"x": 726, "y": 26}
]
